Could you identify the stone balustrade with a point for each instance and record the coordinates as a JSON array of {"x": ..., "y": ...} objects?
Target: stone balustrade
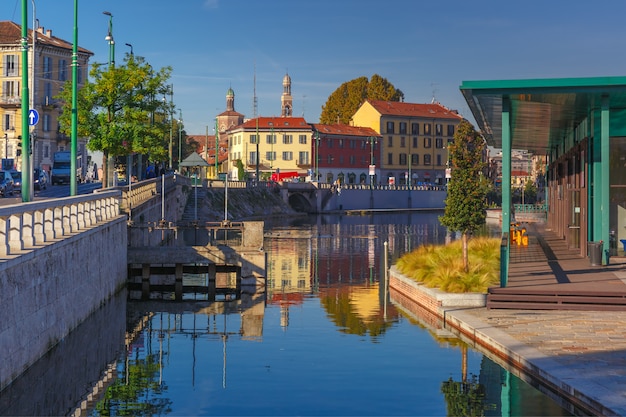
[{"x": 26, "y": 226}]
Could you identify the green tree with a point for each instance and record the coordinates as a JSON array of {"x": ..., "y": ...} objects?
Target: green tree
[
  {"x": 345, "y": 100},
  {"x": 121, "y": 110},
  {"x": 465, "y": 209}
]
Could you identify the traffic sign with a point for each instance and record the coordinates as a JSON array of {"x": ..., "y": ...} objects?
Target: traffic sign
[{"x": 33, "y": 117}]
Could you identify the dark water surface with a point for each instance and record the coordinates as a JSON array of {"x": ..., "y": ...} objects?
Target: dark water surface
[{"x": 321, "y": 339}]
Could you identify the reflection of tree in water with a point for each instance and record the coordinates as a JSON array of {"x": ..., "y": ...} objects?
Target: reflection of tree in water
[
  {"x": 136, "y": 391},
  {"x": 464, "y": 398},
  {"x": 339, "y": 303}
]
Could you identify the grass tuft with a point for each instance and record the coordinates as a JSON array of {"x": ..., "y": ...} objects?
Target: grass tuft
[{"x": 442, "y": 266}]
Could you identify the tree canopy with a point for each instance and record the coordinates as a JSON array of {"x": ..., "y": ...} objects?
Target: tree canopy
[
  {"x": 345, "y": 100},
  {"x": 466, "y": 205},
  {"x": 121, "y": 109}
]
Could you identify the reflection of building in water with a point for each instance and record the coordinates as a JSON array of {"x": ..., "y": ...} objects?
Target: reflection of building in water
[{"x": 289, "y": 263}]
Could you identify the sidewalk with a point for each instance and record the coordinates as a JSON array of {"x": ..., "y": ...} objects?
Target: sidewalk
[{"x": 580, "y": 354}]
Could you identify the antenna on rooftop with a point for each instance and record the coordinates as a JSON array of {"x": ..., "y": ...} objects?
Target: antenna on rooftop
[
  {"x": 254, "y": 98},
  {"x": 434, "y": 99}
]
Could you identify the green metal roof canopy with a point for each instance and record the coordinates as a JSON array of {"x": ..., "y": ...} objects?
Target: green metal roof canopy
[{"x": 543, "y": 111}]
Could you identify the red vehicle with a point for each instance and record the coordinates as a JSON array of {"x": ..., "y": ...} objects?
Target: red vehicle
[{"x": 285, "y": 176}]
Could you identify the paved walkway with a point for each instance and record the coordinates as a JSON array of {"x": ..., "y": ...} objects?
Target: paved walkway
[{"x": 581, "y": 351}]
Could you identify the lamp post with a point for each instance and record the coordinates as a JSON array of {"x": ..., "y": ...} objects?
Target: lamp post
[
  {"x": 25, "y": 104},
  {"x": 180, "y": 136},
  {"x": 107, "y": 158},
  {"x": 132, "y": 53},
  {"x": 317, "y": 155},
  {"x": 74, "y": 118},
  {"x": 171, "y": 166},
  {"x": 372, "y": 169}
]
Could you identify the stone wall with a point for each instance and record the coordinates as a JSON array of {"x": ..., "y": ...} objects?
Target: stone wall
[{"x": 48, "y": 291}]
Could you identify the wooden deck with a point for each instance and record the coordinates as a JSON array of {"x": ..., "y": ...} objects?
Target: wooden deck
[{"x": 546, "y": 275}]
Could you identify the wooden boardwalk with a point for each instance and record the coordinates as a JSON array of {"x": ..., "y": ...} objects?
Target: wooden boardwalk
[{"x": 547, "y": 275}]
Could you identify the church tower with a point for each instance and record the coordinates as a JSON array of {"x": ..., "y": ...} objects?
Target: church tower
[
  {"x": 230, "y": 118},
  {"x": 286, "y": 101}
]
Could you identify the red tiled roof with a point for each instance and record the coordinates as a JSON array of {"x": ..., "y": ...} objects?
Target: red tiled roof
[
  {"x": 346, "y": 130},
  {"x": 397, "y": 108},
  {"x": 276, "y": 123},
  {"x": 230, "y": 113},
  {"x": 11, "y": 34}
]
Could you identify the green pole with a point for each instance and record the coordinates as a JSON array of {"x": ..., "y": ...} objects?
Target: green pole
[
  {"x": 217, "y": 145},
  {"x": 25, "y": 110},
  {"x": 74, "y": 121}
]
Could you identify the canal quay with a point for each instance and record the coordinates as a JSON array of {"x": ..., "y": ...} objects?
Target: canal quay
[{"x": 575, "y": 357}]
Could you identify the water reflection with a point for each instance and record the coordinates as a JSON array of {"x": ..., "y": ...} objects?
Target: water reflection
[{"x": 323, "y": 338}]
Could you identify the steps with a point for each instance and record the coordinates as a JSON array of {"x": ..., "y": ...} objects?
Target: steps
[{"x": 190, "y": 208}]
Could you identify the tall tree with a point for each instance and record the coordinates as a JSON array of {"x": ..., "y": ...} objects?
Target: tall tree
[
  {"x": 466, "y": 205},
  {"x": 345, "y": 100},
  {"x": 121, "y": 110}
]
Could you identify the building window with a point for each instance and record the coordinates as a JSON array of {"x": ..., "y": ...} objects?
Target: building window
[
  {"x": 352, "y": 144},
  {"x": 389, "y": 159},
  {"x": 352, "y": 160},
  {"x": 302, "y": 139},
  {"x": 329, "y": 142},
  {"x": 11, "y": 66},
  {"x": 329, "y": 160},
  {"x": 402, "y": 159},
  {"x": 427, "y": 142},
  {"x": 450, "y": 130},
  {"x": 252, "y": 138},
  {"x": 402, "y": 142},
  {"x": 46, "y": 151},
  {"x": 438, "y": 129},
  {"x": 415, "y": 159},
  {"x": 439, "y": 160},
  {"x": 270, "y": 156},
  {"x": 287, "y": 139},
  {"x": 415, "y": 142},
  {"x": 427, "y": 159},
  {"x": 415, "y": 128},
  {"x": 270, "y": 139},
  {"x": 303, "y": 158},
  {"x": 390, "y": 142},
  {"x": 47, "y": 67},
  {"x": 253, "y": 158},
  {"x": 7, "y": 122},
  {"x": 439, "y": 143},
  {"x": 340, "y": 141},
  {"x": 46, "y": 122},
  {"x": 287, "y": 156},
  {"x": 403, "y": 128},
  {"x": 389, "y": 127},
  {"x": 10, "y": 90},
  {"x": 62, "y": 70},
  {"x": 427, "y": 129}
]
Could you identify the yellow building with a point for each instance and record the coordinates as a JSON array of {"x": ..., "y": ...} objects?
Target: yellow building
[
  {"x": 51, "y": 59},
  {"x": 415, "y": 138},
  {"x": 284, "y": 145}
]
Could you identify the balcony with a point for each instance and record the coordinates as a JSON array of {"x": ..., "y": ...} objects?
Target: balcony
[{"x": 10, "y": 101}]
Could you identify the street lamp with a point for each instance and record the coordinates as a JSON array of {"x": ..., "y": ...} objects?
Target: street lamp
[
  {"x": 372, "y": 169},
  {"x": 180, "y": 135},
  {"x": 109, "y": 38},
  {"x": 131, "y": 49},
  {"x": 107, "y": 160}
]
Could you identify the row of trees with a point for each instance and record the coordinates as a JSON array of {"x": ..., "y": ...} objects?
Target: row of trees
[{"x": 125, "y": 110}]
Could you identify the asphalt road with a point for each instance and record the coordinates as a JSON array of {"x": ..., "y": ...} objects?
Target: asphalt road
[{"x": 52, "y": 191}]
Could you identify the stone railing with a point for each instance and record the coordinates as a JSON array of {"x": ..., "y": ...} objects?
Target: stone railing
[{"x": 26, "y": 226}]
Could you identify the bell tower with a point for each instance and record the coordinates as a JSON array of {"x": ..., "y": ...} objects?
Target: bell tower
[{"x": 286, "y": 101}]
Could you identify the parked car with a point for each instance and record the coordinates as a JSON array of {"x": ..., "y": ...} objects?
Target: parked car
[
  {"x": 40, "y": 179},
  {"x": 17, "y": 181},
  {"x": 6, "y": 183}
]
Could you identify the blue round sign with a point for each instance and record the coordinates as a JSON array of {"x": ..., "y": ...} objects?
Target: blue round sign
[{"x": 33, "y": 117}]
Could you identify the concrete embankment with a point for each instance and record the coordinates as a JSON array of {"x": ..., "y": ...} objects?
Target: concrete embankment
[{"x": 577, "y": 356}]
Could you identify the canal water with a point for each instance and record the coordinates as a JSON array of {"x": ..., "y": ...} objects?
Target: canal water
[{"x": 321, "y": 339}]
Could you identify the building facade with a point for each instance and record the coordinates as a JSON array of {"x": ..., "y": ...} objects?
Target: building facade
[
  {"x": 348, "y": 154},
  {"x": 49, "y": 69},
  {"x": 415, "y": 137},
  {"x": 270, "y": 144}
]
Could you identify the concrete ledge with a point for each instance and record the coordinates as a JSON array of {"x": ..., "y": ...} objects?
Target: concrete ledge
[{"x": 437, "y": 297}]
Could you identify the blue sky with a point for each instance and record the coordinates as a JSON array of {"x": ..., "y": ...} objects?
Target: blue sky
[{"x": 424, "y": 48}]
